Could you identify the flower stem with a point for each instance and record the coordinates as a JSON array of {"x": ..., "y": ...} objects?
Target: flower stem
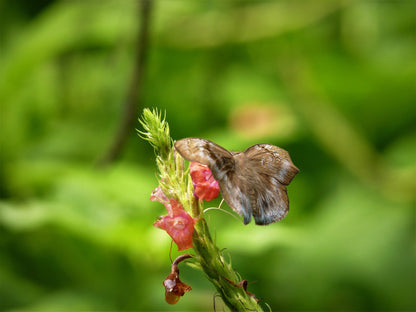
[
  {"x": 220, "y": 273},
  {"x": 175, "y": 182}
]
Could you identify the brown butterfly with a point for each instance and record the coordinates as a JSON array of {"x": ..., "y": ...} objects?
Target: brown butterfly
[{"x": 252, "y": 182}]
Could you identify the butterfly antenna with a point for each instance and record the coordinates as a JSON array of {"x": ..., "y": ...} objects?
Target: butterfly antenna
[
  {"x": 219, "y": 206},
  {"x": 267, "y": 305},
  {"x": 225, "y": 211}
]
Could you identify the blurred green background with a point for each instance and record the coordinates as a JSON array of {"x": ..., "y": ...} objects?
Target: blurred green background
[{"x": 332, "y": 82}]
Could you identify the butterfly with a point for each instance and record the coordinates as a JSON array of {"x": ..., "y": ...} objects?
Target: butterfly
[{"x": 253, "y": 182}]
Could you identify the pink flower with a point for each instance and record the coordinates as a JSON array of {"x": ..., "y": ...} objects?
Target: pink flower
[
  {"x": 204, "y": 183},
  {"x": 158, "y": 195},
  {"x": 178, "y": 223}
]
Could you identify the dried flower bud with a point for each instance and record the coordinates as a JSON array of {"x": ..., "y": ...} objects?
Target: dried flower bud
[{"x": 174, "y": 288}]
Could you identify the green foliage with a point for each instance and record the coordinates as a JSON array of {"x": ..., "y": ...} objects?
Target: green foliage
[{"x": 332, "y": 83}]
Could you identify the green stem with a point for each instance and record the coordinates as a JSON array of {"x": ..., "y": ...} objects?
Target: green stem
[
  {"x": 219, "y": 272},
  {"x": 175, "y": 180}
]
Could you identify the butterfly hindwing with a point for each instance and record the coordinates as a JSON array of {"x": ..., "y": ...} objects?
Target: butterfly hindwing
[
  {"x": 270, "y": 202},
  {"x": 249, "y": 196},
  {"x": 234, "y": 192}
]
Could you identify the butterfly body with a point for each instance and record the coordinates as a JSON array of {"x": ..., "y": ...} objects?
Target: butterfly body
[{"x": 253, "y": 182}]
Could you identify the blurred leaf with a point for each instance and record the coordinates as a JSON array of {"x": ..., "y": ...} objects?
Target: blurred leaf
[
  {"x": 75, "y": 236},
  {"x": 246, "y": 23}
]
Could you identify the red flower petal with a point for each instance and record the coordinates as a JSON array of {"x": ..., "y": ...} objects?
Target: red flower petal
[
  {"x": 204, "y": 183},
  {"x": 178, "y": 224}
]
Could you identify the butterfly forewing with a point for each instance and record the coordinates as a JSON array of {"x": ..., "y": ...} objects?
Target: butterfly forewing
[
  {"x": 272, "y": 160},
  {"x": 218, "y": 159}
]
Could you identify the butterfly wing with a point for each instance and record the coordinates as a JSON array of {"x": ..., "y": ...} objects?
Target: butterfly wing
[
  {"x": 222, "y": 165},
  {"x": 273, "y": 161},
  {"x": 252, "y": 182},
  {"x": 235, "y": 193},
  {"x": 218, "y": 159},
  {"x": 273, "y": 171},
  {"x": 270, "y": 204}
]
